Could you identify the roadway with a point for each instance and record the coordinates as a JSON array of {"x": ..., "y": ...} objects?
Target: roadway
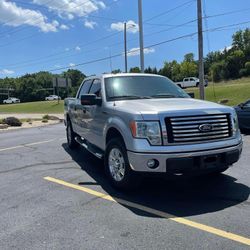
[{"x": 55, "y": 198}]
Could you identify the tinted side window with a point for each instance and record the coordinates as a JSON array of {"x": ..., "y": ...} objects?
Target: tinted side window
[
  {"x": 96, "y": 88},
  {"x": 85, "y": 88},
  {"x": 186, "y": 79}
]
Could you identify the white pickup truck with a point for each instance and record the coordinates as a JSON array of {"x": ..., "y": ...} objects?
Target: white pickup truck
[{"x": 190, "y": 82}]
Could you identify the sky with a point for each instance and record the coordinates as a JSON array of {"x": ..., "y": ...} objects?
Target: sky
[{"x": 54, "y": 35}]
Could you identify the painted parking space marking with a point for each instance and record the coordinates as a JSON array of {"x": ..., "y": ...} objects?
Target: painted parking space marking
[
  {"x": 180, "y": 220},
  {"x": 28, "y": 144}
]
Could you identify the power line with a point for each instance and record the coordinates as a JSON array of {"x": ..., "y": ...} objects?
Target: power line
[
  {"x": 149, "y": 46},
  {"x": 166, "y": 12},
  {"x": 112, "y": 45},
  {"x": 90, "y": 43}
]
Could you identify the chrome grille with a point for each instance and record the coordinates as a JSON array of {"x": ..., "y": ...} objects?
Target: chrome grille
[{"x": 191, "y": 128}]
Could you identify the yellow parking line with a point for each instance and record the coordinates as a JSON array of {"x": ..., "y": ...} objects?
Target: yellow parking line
[
  {"x": 159, "y": 213},
  {"x": 28, "y": 144}
]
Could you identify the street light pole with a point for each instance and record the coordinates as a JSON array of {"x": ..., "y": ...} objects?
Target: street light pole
[
  {"x": 141, "y": 35},
  {"x": 125, "y": 47},
  {"x": 200, "y": 48}
]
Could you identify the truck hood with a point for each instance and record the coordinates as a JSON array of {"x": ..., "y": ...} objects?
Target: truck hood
[{"x": 176, "y": 106}]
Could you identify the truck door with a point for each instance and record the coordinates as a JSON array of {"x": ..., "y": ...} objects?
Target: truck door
[
  {"x": 80, "y": 110},
  {"x": 95, "y": 117},
  {"x": 185, "y": 82},
  {"x": 192, "y": 82}
]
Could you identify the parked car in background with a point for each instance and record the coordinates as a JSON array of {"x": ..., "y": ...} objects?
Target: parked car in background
[
  {"x": 11, "y": 100},
  {"x": 191, "y": 82},
  {"x": 243, "y": 112},
  {"x": 52, "y": 98}
]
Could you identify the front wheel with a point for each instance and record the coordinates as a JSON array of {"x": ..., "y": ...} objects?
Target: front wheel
[
  {"x": 72, "y": 143},
  {"x": 117, "y": 165}
]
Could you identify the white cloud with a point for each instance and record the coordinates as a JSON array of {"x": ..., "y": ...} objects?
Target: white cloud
[
  {"x": 132, "y": 27},
  {"x": 72, "y": 8},
  {"x": 7, "y": 72},
  {"x": 72, "y": 65},
  {"x": 136, "y": 51},
  {"x": 226, "y": 48},
  {"x": 90, "y": 24},
  {"x": 12, "y": 15},
  {"x": 64, "y": 27},
  {"x": 77, "y": 48}
]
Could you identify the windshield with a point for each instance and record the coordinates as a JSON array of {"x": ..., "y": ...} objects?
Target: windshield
[{"x": 140, "y": 87}]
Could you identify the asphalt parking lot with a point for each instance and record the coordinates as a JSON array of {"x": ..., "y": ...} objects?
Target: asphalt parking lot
[{"x": 55, "y": 198}]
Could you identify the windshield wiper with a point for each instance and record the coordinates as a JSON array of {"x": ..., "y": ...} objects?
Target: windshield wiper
[
  {"x": 130, "y": 97},
  {"x": 164, "y": 96}
]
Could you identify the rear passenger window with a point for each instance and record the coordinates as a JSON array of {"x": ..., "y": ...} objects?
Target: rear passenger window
[
  {"x": 85, "y": 88},
  {"x": 96, "y": 88}
]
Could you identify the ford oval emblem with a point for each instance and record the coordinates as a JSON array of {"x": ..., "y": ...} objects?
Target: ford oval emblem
[{"x": 206, "y": 127}]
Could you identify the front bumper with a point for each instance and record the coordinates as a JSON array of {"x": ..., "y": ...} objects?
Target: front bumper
[{"x": 183, "y": 162}]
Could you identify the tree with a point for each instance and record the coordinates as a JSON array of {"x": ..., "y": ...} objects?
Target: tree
[
  {"x": 75, "y": 75},
  {"x": 189, "y": 57},
  {"x": 148, "y": 70},
  {"x": 234, "y": 62},
  {"x": 116, "y": 71},
  {"x": 218, "y": 71},
  {"x": 135, "y": 70}
]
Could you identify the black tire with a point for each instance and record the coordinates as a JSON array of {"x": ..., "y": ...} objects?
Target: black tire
[
  {"x": 129, "y": 180},
  {"x": 72, "y": 143},
  {"x": 197, "y": 84},
  {"x": 179, "y": 85}
]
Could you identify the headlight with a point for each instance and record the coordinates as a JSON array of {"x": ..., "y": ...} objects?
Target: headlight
[
  {"x": 147, "y": 130},
  {"x": 235, "y": 123}
]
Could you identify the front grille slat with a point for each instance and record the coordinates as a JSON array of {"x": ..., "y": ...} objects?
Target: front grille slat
[
  {"x": 178, "y": 131},
  {"x": 187, "y": 129},
  {"x": 200, "y": 121},
  {"x": 195, "y": 126}
]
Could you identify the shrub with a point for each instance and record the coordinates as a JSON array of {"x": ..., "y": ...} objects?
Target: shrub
[
  {"x": 50, "y": 117},
  {"x": 12, "y": 121},
  {"x": 46, "y": 117},
  {"x": 44, "y": 120}
]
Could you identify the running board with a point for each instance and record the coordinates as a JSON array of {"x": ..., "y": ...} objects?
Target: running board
[{"x": 91, "y": 148}]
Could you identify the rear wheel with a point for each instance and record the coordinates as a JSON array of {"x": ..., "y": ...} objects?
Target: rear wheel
[
  {"x": 197, "y": 84},
  {"x": 117, "y": 165},
  {"x": 72, "y": 143}
]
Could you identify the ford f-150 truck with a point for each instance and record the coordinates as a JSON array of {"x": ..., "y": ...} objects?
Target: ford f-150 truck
[{"x": 145, "y": 123}]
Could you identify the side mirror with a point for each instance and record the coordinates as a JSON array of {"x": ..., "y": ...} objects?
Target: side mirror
[
  {"x": 90, "y": 99},
  {"x": 241, "y": 105},
  {"x": 191, "y": 94}
]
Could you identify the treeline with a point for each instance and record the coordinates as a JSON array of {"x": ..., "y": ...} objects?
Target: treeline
[
  {"x": 231, "y": 63},
  {"x": 35, "y": 87}
]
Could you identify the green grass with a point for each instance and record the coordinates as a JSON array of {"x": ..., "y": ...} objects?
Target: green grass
[
  {"x": 44, "y": 107},
  {"x": 235, "y": 91}
]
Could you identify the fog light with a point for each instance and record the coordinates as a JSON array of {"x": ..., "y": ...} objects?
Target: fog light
[{"x": 152, "y": 163}]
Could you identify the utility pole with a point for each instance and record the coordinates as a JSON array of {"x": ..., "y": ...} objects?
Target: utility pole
[
  {"x": 141, "y": 35},
  {"x": 125, "y": 47},
  {"x": 200, "y": 48}
]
